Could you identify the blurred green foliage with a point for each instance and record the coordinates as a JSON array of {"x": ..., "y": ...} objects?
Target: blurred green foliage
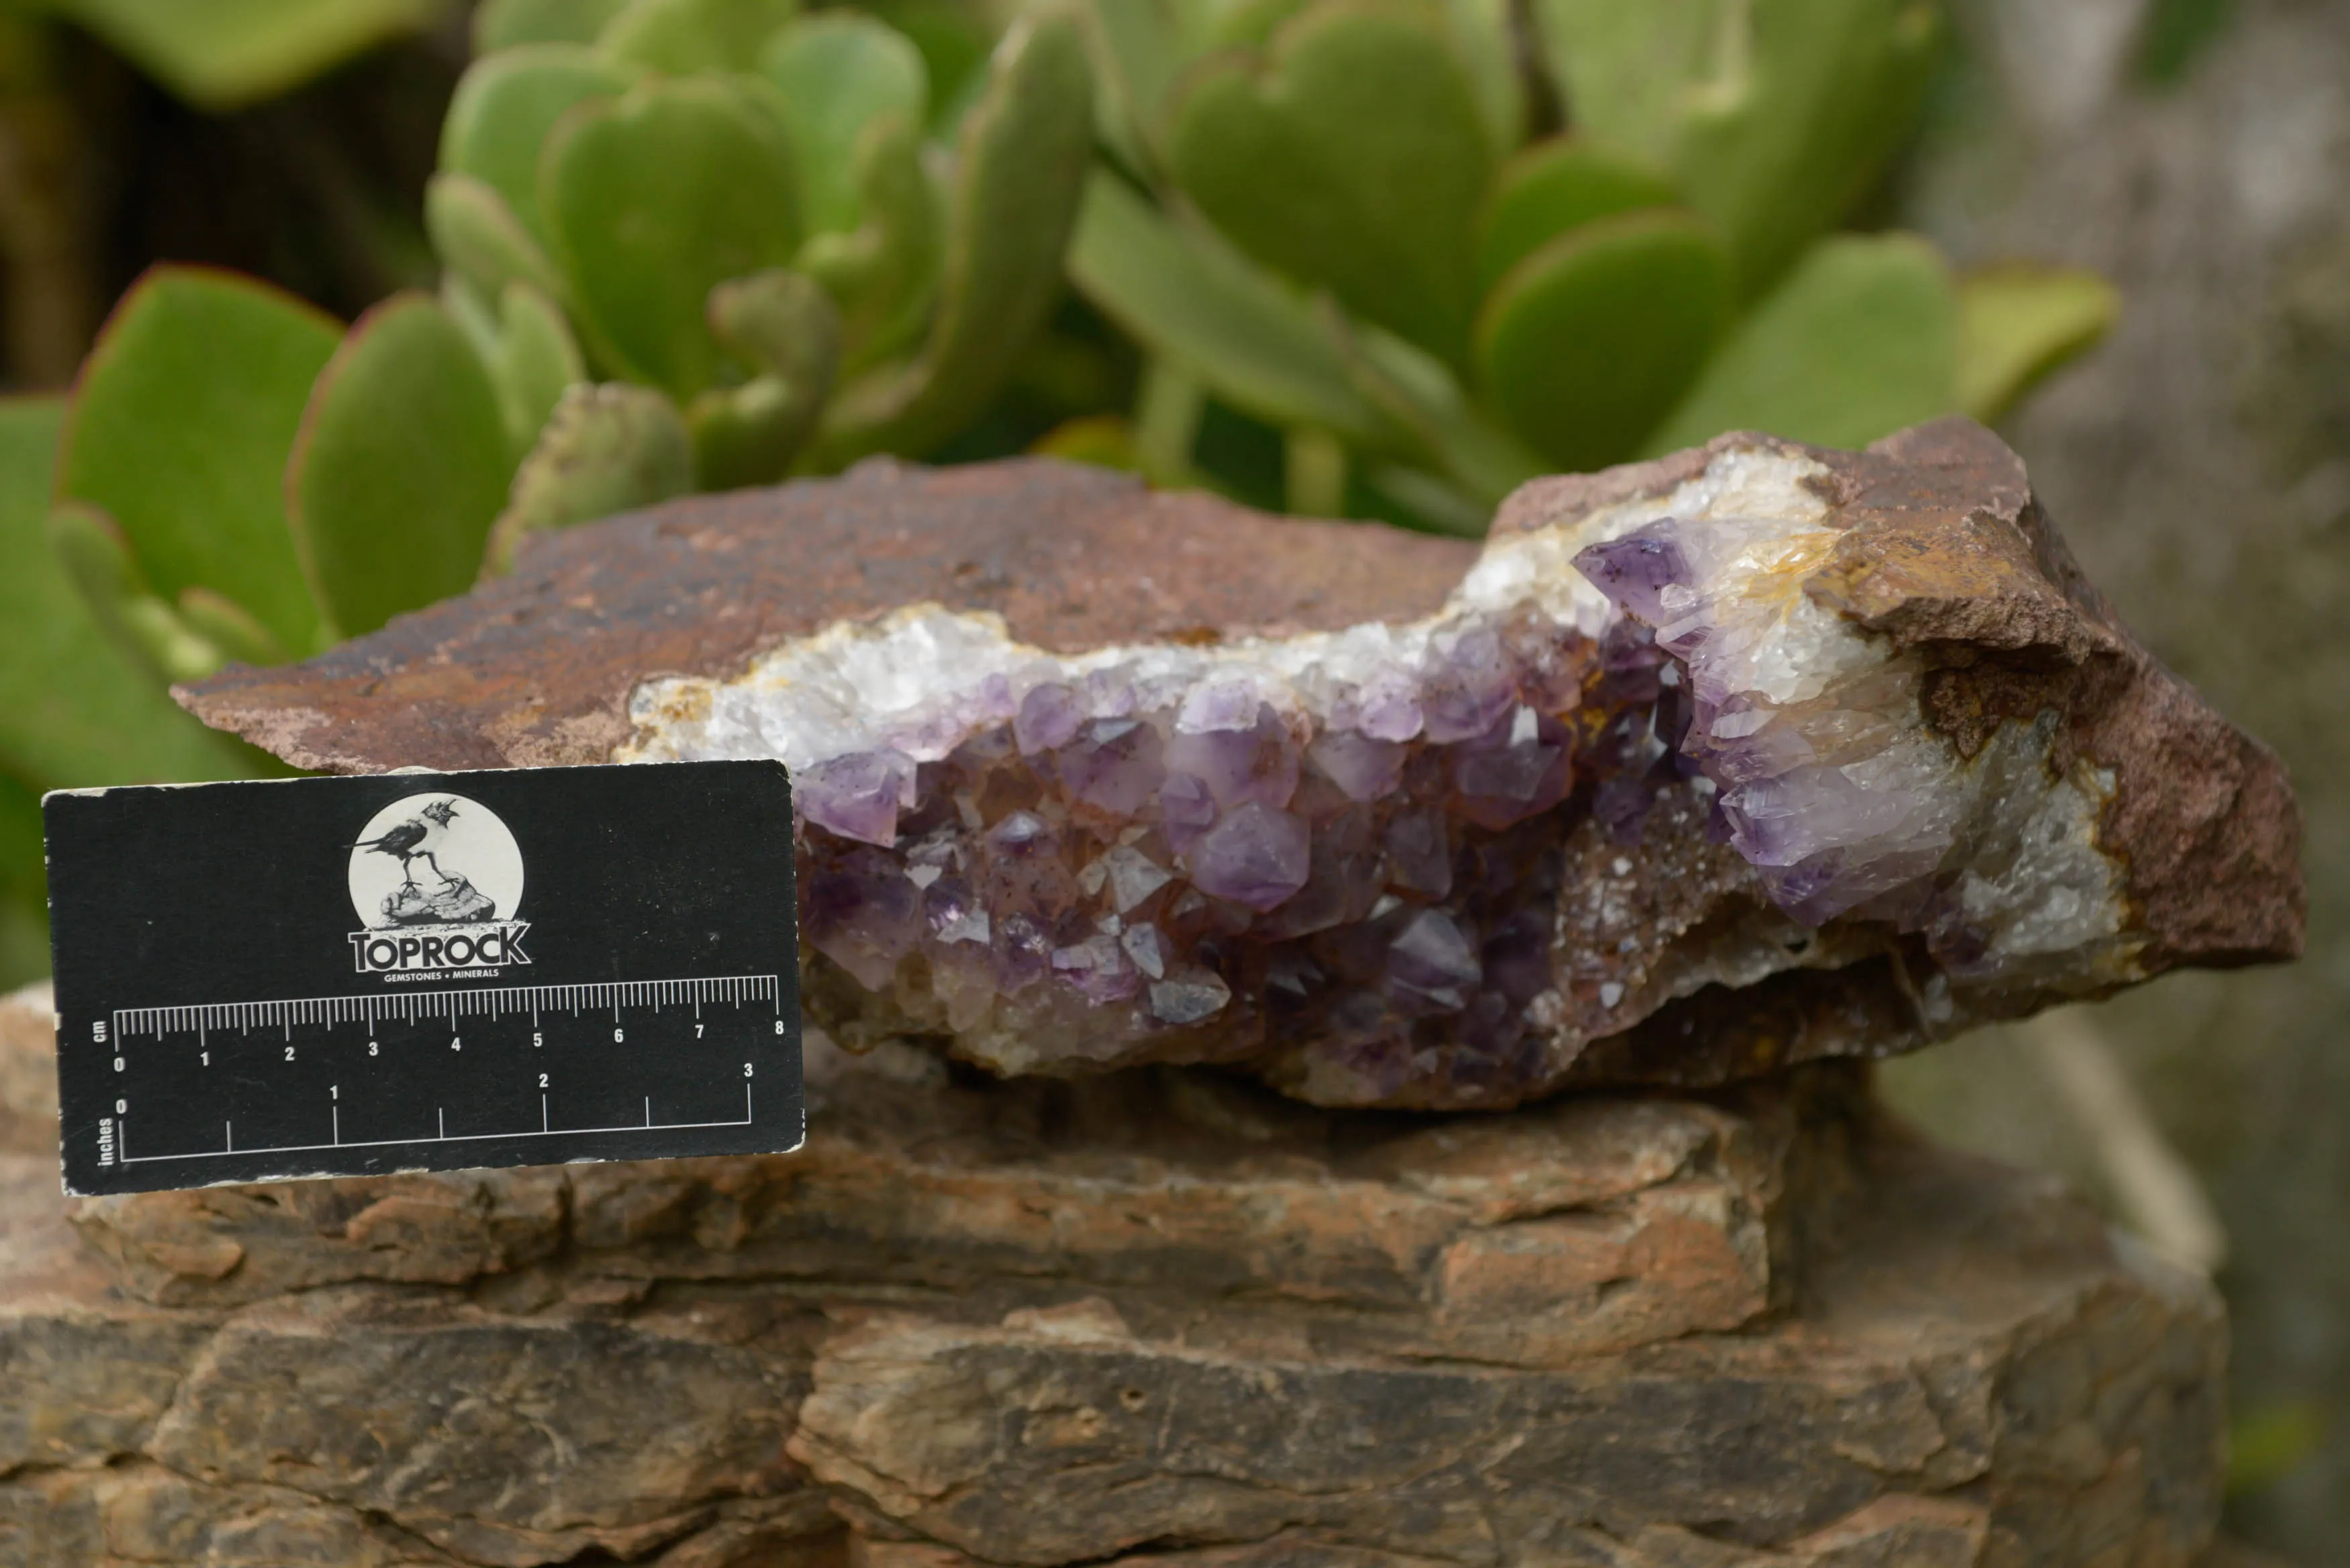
[
  {"x": 2176, "y": 34},
  {"x": 1464, "y": 243},
  {"x": 1381, "y": 256},
  {"x": 224, "y": 54},
  {"x": 2270, "y": 1442},
  {"x": 761, "y": 223},
  {"x": 72, "y": 710},
  {"x": 685, "y": 243}
]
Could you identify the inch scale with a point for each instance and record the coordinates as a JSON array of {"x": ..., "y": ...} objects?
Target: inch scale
[
  {"x": 535, "y": 1051},
  {"x": 275, "y": 980}
]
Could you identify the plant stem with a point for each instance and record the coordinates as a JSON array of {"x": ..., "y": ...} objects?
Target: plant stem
[
  {"x": 51, "y": 308},
  {"x": 1316, "y": 473},
  {"x": 1167, "y": 420}
]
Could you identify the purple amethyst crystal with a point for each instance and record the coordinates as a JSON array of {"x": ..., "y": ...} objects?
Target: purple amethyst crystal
[
  {"x": 1432, "y": 960},
  {"x": 1516, "y": 769},
  {"x": 1249, "y": 760},
  {"x": 1026, "y": 873},
  {"x": 1098, "y": 968},
  {"x": 1146, "y": 949},
  {"x": 1366, "y": 769},
  {"x": 1113, "y": 765},
  {"x": 859, "y": 795},
  {"x": 860, "y": 911},
  {"x": 1254, "y": 856},
  {"x": 1024, "y": 953},
  {"x": 954, "y": 913},
  {"x": 1132, "y": 876},
  {"x": 1049, "y": 716},
  {"x": 1471, "y": 688},
  {"x": 1188, "y": 807},
  {"x": 1638, "y": 569},
  {"x": 1419, "y": 860},
  {"x": 1193, "y": 997}
]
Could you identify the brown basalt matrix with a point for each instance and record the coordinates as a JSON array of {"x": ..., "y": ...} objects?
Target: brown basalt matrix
[{"x": 1755, "y": 754}]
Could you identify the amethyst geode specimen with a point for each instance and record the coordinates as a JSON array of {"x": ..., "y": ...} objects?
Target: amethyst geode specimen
[{"x": 1701, "y": 767}]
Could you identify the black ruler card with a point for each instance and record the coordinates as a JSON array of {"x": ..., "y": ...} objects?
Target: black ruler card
[{"x": 423, "y": 971}]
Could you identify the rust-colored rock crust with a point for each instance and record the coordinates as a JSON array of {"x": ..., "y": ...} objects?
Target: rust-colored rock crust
[
  {"x": 1833, "y": 754},
  {"x": 535, "y": 670}
]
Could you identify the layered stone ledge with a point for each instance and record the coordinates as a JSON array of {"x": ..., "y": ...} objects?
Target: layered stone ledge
[
  {"x": 1172, "y": 1321},
  {"x": 1579, "y": 1228}
]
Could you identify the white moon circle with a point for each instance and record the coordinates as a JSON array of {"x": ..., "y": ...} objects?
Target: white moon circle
[{"x": 474, "y": 844}]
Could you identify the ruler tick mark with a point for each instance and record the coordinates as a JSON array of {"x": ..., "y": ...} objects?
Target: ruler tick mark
[{"x": 324, "y": 1013}]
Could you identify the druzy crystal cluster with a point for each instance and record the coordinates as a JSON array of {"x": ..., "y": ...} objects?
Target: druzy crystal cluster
[
  {"x": 1362, "y": 848},
  {"x": 1697, "y": 769},
  {"x": 1093, "y": 857}
]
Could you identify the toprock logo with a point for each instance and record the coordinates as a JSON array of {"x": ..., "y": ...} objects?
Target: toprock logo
[{"x": 431, "y": 875}]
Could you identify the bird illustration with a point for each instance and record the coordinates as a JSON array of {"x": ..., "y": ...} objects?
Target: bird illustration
[{"x": 416, "y": 839}]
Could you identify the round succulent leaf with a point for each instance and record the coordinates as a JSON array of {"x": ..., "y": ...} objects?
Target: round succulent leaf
[
  {"x": 1857, "y": 341},
  {"x": 1350, "y": 154},
  {"x": 747, "y": 434},
  {"x": 533, "y": 361},
  {"x": 681, "y": 38},
  {"x": 74, "y": 711},
  {"x": 885, "y": 272},
  {"x": 1020, "y": 171},
  {"x": 509, "y": 23},
  {"x": 97, "y": 561},
  {"x": 2018, "y": 322},
  {"x": 1627, "y": 69},
  {"x": 1484, "y": 37},
  {"x": 606, "y": 448},
  {"x": 179, "y": 427},
  {"x": 1776, "y": 115},
  {"x": 402, "y": 465},
  {"x": 656, "y": 198},
  {"x": 1140, "y": 46},
  {"x": 778, "y": 320},
  {"x": 783, "y": 324},
  {"x": 1437, "y": 423},
  {"x": 225, "y": 54},
  {"x": 1553, "y": 186},
  {"x": 479, "y": 237},
  {"x": 472, "y": 309},
  {"x": 837, "y": 74},
  {"x": 1189, "y": 299},
  {"x": 1584, "y": 344},
  {"x": 228, "y": 626},
  {"x": 505, "y": 106},
  {"x": 1247, "y": 23},
  {"x": 954, "y": 41},
  {"x": 1832, "y": 92}
]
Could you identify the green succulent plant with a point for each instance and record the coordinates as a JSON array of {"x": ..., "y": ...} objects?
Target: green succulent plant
[
  {"x": 686, "y": 244},
  {"x": 226, "y": 54},
  {"x": 1366, "y": 224}
]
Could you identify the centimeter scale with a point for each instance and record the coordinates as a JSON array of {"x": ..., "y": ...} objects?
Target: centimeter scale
[{"x": 348, "y": 976}]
